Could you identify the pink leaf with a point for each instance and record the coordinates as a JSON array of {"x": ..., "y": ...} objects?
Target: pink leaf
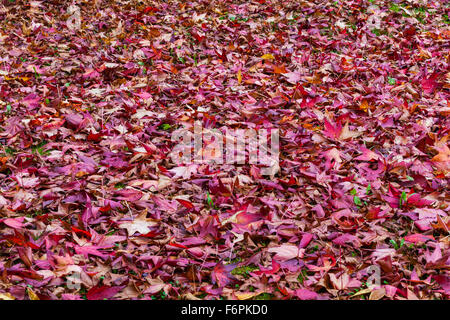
[
  {"x": 15, "y": 223},
  {"x": 305, "y": 294},
  {"x": 417, "y": 238},
  {"x": 103, "y": 292}
]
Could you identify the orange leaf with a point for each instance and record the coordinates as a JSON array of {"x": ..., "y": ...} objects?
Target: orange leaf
[
  {"x": 442, "y": 159},
  {"x": 364, "y": 106},
  {"x": 246, "y": 295}
]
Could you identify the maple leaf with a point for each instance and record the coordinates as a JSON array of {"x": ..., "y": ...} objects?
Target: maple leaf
[
  {"x": 354, "y": 184},
  {"x": 343, "y": 281},
  {"x": 129, "y": 195},
  {"x": 305, "y": 294},
  {"x": 267, "y": 56},
  {"x": 418, "y": 238},
  {"x": 429, "y": 84},
  {"x": 90, "y": 250},
  {"x": 239, "y": 76},
  {"x": 31, "y": 101},
  {"x": 15, "y": 223},
  {"x": 347, "y": 134},
  {"x": 103, "y": 292},
  {"x": 287, "y": 252},
  {"x": 222, "y": 274}
]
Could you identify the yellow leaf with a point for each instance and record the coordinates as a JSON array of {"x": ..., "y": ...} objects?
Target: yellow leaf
[
  {"x": 286, "y": 119},
  {"x": 25, "y": 30},
  {"x": 268, "y": 56},
  {"x": 245, "y": 295},
  {"x": 364, "y": 106},
  {"x": 239, "y": 76},
  {"x": 32, "y": 295},
  {"x": 6, "y": 296}
]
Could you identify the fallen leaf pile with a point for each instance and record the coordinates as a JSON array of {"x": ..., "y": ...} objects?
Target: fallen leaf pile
[{"x": 93, "y": 207}]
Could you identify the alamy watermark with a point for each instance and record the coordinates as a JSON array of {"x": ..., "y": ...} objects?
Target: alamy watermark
[
  {"x": 374, "y": 280},
  {"x": 375, "y": 16},
  {"x": 229, "y": 146},
  {"x": 73, "y": 280}
]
